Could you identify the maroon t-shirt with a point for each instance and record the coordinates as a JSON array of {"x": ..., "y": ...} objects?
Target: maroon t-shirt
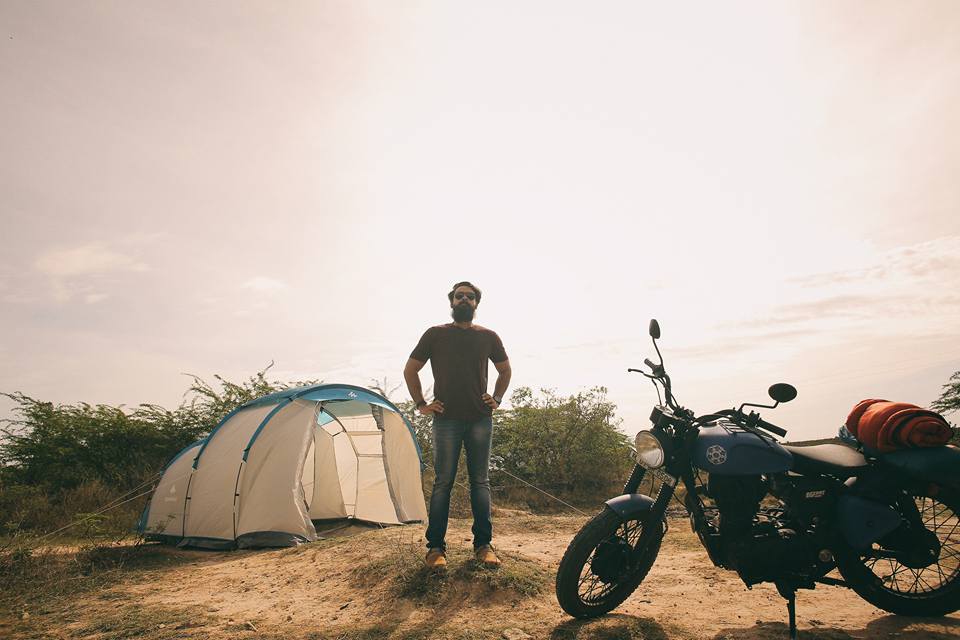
[{"x": 458, "y": 358}]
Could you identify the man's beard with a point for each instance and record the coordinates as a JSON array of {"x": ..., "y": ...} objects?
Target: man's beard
[{"x": 462, "y": 313}]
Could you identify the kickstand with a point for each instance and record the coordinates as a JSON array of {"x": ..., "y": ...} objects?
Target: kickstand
[
  {"x": 789, "y": 592},
  {"x": 792, "y": 613}
]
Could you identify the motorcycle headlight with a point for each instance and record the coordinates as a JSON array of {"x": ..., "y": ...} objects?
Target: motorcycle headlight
[{"x": 649, "y": 450}]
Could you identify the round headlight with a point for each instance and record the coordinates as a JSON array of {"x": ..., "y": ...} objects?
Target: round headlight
[{"x": 649, "y": 450}]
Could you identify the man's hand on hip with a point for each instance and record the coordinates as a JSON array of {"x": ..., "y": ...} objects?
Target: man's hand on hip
[
  {"x": 490, "y": 401},
  {"x": 434, "y": 407}
]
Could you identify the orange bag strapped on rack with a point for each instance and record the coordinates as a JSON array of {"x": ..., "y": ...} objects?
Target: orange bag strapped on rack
[{"x": 887, "y": 426}]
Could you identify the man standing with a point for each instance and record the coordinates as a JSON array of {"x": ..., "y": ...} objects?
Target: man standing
[{"x": 462, "y": 415}]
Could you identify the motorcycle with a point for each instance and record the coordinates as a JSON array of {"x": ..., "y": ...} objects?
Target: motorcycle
[{"x": 772, "y": 512}]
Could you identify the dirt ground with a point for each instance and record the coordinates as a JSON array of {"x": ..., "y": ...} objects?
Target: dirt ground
[{"x": 320, "y": 591}]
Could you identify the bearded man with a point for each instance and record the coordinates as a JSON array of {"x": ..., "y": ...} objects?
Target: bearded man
[{"x": 462, "y": 413}]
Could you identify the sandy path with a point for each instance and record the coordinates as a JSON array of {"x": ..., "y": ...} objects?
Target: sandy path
[
  {"x": 310, "y": 589},
  {"x": 685, "y": 590}
]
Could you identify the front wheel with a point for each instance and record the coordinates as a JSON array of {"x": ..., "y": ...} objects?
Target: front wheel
[
  {"x": 602, "y": 567},
  {"x": 888, "y": 583}
]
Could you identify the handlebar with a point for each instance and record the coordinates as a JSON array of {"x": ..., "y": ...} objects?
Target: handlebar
[
  {"x": 743, "y": 420},
  {"x": 772, "y": 428},
  {"x": 658, "y": 371}
]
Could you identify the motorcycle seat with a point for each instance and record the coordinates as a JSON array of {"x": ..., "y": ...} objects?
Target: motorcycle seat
[
  {"x": 828, "y": 459},
  {"x": 939, "y": 464}
]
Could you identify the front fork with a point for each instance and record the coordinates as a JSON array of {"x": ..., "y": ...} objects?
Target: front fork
[
  {"x": 636, "y": 477},
  {"x": 631, "y": 504},
  {"x": 655, "y": 509}
]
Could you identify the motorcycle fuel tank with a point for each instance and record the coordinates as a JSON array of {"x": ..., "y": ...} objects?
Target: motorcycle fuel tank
[{"x": 729, "y": 450}]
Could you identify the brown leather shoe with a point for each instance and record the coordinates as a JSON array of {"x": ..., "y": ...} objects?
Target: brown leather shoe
[
  {"x": 486, "y": 556},
  {"x": 436, "y": 559}
]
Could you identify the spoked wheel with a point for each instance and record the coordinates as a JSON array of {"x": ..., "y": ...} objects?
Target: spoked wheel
[
  {"x": 600, "y": 568},
  {"x": 923, "y": 580}
]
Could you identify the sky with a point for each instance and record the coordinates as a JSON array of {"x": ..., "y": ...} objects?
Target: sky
[{"x": 206, "y": 188}]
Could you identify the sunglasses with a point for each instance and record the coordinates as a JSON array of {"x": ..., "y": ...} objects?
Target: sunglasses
[{"x": 468, "y": 296}]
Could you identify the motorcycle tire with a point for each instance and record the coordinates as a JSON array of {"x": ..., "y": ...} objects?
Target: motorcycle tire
[
  {"x": 877, "y": 581},
  {"x": 606, "y": 533}
]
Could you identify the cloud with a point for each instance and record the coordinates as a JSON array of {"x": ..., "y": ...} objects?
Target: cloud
[
  {"x": 90, "y": 259},
  {"x": 833, "y": 313},
  {"x": 739, "y": 343},
  {"x": 263, "y": 284},
  {"x": 21, "y": 299},
  {"x": 141, "y": 238},
  {"x": 838, "y": 307},
  {"x": 81, "y": 271},
  {"x": 933, "y": 259},
  {"x": 911, "y": 288},
  {"x": 265, "y": 292}
]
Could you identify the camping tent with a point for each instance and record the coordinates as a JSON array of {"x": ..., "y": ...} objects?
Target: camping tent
[{"x": 278, "y": 463}]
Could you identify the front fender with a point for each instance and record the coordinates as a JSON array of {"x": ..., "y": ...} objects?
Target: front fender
[{"x": 630, "y": 505}]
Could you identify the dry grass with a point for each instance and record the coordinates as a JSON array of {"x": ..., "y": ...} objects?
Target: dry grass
[
  {"x": 34, "y": 577},
  {"x": 148, "y": 623},
  {"x": 619, "y": 627},
  {"x": 521, "y": 522},
  {"x": 407, "y": 576},
  {"x": 123, "y": 621}
]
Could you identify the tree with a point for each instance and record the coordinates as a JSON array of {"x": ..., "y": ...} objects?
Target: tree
[
  {"x": 384, "y": 387},
  {"x": 949, "y": 400}
]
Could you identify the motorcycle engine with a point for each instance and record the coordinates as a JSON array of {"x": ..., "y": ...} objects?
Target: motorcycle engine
[{"x": 753, "y": 542}]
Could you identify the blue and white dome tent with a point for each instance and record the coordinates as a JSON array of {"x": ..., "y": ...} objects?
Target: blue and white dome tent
[{"x": 278, "y": 463}]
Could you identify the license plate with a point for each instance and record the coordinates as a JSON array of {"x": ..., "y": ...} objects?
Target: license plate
[{"x": 660, "y": 474}]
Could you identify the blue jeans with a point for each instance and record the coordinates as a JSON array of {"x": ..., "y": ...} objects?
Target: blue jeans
[{"x": 476, "y": 436}]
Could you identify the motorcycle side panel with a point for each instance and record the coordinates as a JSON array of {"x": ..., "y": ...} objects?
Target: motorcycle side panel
[
  {"x": 733, "y": 452},
  {"x": 864, "y": 521},
  {"x": 630, "y": 505}
]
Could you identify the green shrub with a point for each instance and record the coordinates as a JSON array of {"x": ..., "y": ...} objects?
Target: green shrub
[
  {"x": 569, "y": 447},
  {"x": 58, "y": 461}
]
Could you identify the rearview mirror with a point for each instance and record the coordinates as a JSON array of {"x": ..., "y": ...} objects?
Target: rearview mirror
[
  {"x": 654, "y": 329},
  {"x": 782, "y": 392}
]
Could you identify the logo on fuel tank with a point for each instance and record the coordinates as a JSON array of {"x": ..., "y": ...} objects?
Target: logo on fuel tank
[{"x": 716, "y": 455}]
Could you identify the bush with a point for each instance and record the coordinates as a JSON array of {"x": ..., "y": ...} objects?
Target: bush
[
  {"x": 25, "y": 507},
  {"x": 568, "y": 446},
  {"x": 58, "y": 461}
]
